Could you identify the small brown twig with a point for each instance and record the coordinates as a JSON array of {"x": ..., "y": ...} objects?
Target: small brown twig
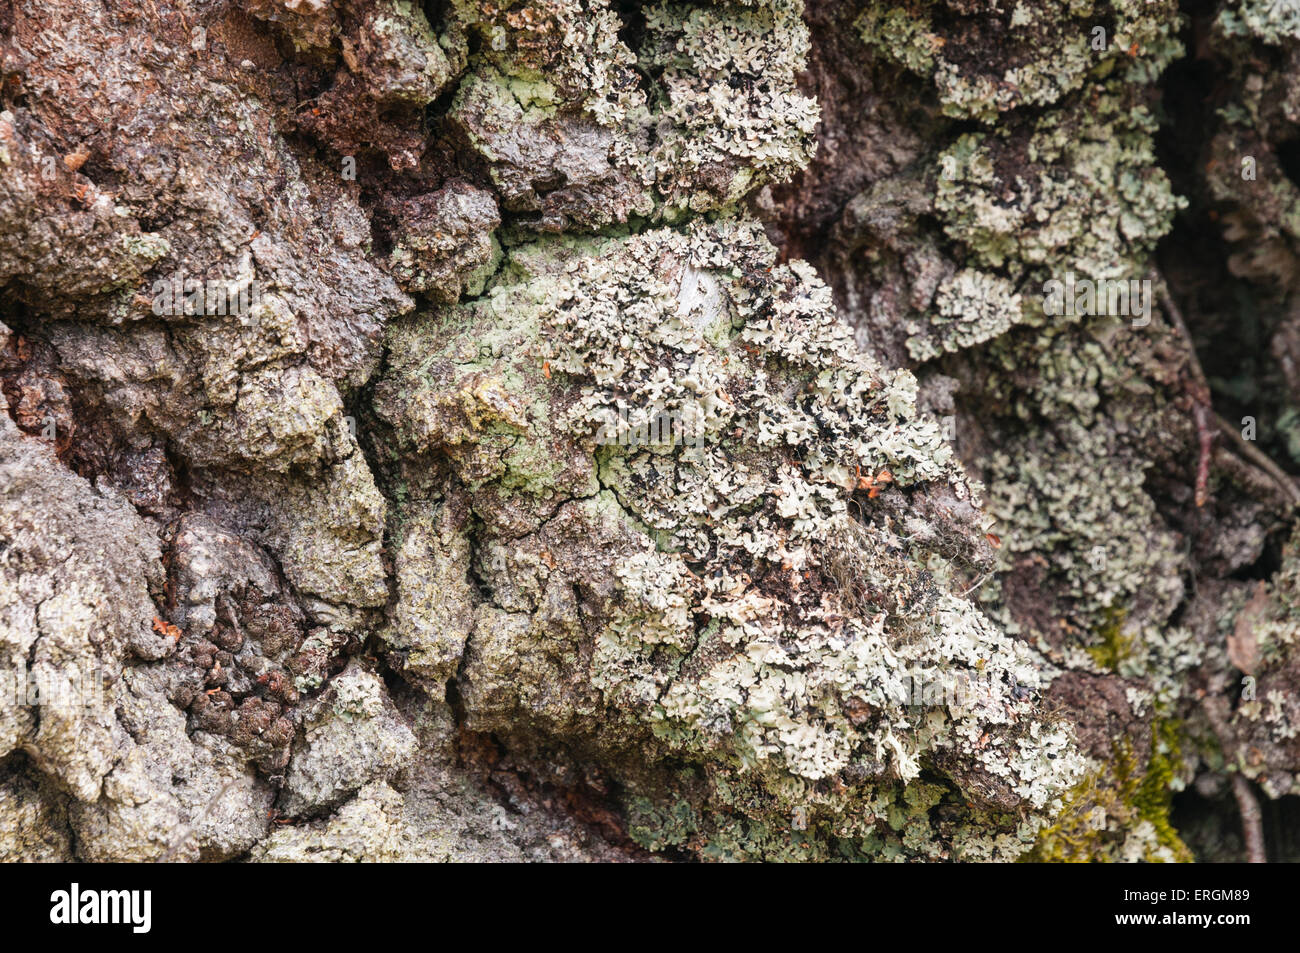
[
  {"x": 1205, "y": 439},
  {"x": 1205, "y": 415},
  {"x": 1260, "y": 459},
  {"x": 1252, "y": 822},
  {"x": 1201, "y": 384},
  {"x": 1200, "y": 392}
]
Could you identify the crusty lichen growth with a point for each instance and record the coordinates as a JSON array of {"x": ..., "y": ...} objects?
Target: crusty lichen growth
[
  {"x": 1081, "y": 192},
  {"x": 1069, "y": 418},
  {"x": 1093, "y": 523},
  {"x": 1259, "y": 649},
  {"x": 1077, "y": 193},
  {"x": 1024, "y": 54},
  {"x": 1073, "y": 191},
  {"x": 1274, "y": 21},
  {"x": 633, "y": 512},
  {"x": 578, "y": 129},
  {"x": 706, "y": 558},
  {"x": 737, "y": 120},
  {"x": 352, "y": 736},
  {"x": 971, "y": 307}
]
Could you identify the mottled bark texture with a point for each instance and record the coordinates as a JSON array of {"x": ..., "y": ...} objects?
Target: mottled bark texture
[{"x": 579, "y": 429}]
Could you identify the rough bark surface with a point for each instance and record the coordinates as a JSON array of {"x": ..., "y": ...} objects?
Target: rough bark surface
[{"x": 579, "y": 429}]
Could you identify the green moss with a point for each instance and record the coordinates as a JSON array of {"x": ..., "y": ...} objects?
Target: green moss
[
  {"x": 1152, "y": 793},
  {"x": 1121, "y": 811},
  {"x": 1114, "y": 646}
]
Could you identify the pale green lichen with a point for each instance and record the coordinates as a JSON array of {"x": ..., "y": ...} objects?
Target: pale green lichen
[
  {"x": 577, "y": 127},
  {"x": 1274, "y": 21},
  {"x": 352, "y": 736},
  {"x": 1083, "y": 195},
  {"x": 1026, "y": 55},
  {"x": 727, "y": 76},
  {"x": 1258, "y": 626},
  {"x": 727, "y": 639},
  {"x": 398, "y": 55},
  {"x": 1121, "y": 812},
  {"x": 971, "y": 307}
]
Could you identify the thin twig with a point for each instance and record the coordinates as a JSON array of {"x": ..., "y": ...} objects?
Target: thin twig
[
  {"x": 1204, "y": 411},
  {"x": 189, "y": 829},
  {"x": 1176, "y": 316},
  {"x": 977, "y": 583},
  {"x": 1259, "y": 459},
  {"x": 1205, "y": 440},
  {"x": 1252, "y": 822},
  {"x": 1200, "y": 392}
]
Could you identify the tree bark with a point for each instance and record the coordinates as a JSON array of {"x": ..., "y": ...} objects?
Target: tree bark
[{"x": 591, "y": 430}]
